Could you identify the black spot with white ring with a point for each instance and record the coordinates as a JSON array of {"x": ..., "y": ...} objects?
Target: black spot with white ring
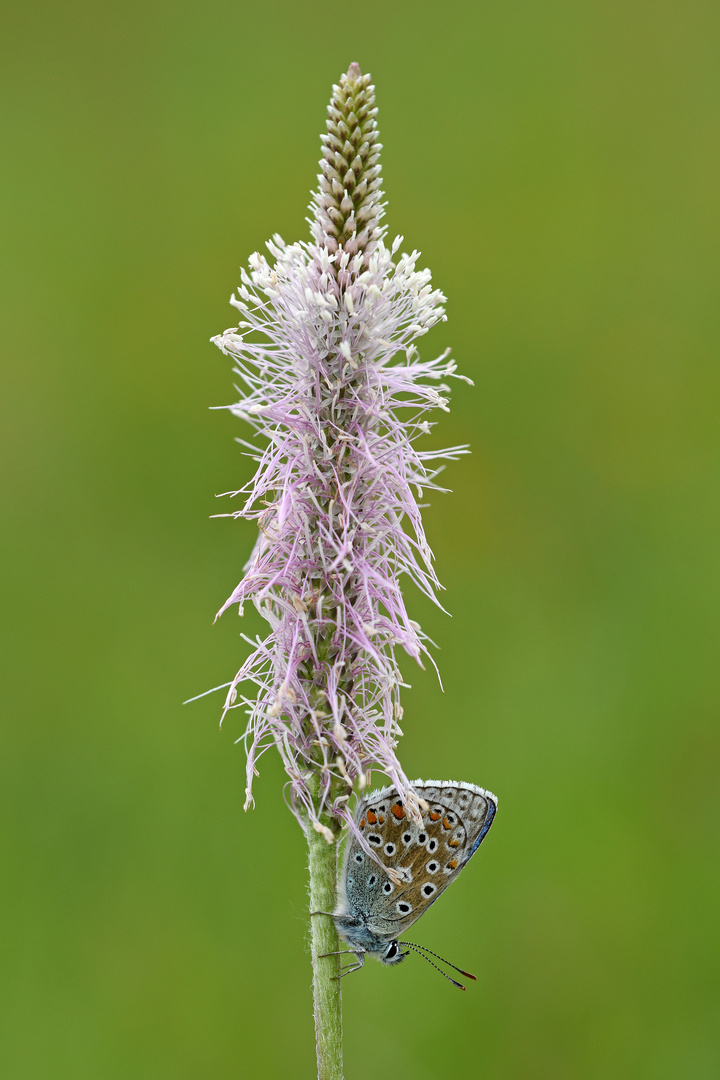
[
  {"x": 390, "y": 849},
  {"x": 373, "y": 838},
  {"x": 432, "y": 845},
  {"x": 372, "y": 880},
  {"x": 428, "y": 890},
  {"x": 359, "y": 857},
  {"x": 403, "y": 908},
  {"x": 432, "y": 867},
  {"x": 387, "y": 888}
]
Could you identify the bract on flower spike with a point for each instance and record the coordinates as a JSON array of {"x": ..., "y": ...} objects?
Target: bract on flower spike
[{"x": 337, "y": 395}]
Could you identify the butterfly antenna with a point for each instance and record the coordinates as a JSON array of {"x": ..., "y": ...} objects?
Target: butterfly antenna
[
  {"x": 422, "y": 954},
  {"x": 424, "y": 949}
]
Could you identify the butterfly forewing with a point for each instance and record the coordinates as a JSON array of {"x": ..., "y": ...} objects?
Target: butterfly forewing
[{"x": 426, "y": 857}]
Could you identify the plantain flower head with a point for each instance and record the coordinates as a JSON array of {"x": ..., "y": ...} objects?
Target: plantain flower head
[{"x": 338, "y": 398}]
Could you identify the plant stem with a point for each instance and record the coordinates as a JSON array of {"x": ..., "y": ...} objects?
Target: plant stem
[{"x": 322, "y": 863}]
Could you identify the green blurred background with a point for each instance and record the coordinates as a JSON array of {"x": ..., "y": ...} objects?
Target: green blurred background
[{"x": 557, "y": 164}]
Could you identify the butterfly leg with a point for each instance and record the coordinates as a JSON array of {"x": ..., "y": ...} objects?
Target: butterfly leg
[{"x": 359, "y": 962}]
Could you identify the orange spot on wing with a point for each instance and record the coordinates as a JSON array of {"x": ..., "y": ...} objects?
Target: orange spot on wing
[
  {"x": 398, "y": 811},
  {"x": 362, "y": 823},
  {"x": 434, "y": 816},
  {"x": 453, "y": 843},
  {"x": 381, "y": 819},
  {"x": 452, "y": 864},
  {"x": 446, "y": 824},
  {"x": 372, "y": 818}
]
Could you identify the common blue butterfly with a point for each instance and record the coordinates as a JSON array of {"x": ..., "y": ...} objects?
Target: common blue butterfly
[{"x": 375, "y": 907}]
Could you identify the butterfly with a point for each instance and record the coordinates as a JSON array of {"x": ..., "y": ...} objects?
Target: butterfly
[{"x": 376, "y": 906}]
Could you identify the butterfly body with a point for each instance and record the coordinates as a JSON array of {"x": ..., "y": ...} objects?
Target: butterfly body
[{"x": 378, "y": 903}]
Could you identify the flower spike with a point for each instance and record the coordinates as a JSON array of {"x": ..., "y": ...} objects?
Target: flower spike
[{"x": 337, "y": 395}]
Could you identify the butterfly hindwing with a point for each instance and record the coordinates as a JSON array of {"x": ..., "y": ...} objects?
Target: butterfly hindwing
[{"x": 424, "y": 859}]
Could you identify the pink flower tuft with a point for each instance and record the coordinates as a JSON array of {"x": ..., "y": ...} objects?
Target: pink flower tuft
[{"x": 338, "y": 397}]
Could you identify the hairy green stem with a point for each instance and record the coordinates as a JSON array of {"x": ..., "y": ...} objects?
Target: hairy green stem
[
  {"x": 327, "y": 997},
  {"x": 347, "y": 209}
]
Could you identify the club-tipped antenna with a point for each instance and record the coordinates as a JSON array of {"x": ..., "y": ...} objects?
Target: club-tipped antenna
[
  {"x": 424, "y": 948},
  {"x": 448, "y": 977}
]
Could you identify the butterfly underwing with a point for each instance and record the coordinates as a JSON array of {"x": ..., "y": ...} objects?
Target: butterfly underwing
[{"x": 375, "y": 908}]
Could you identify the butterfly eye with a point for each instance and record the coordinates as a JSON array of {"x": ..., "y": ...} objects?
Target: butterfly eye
[{"x": 392, "y": 950}]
